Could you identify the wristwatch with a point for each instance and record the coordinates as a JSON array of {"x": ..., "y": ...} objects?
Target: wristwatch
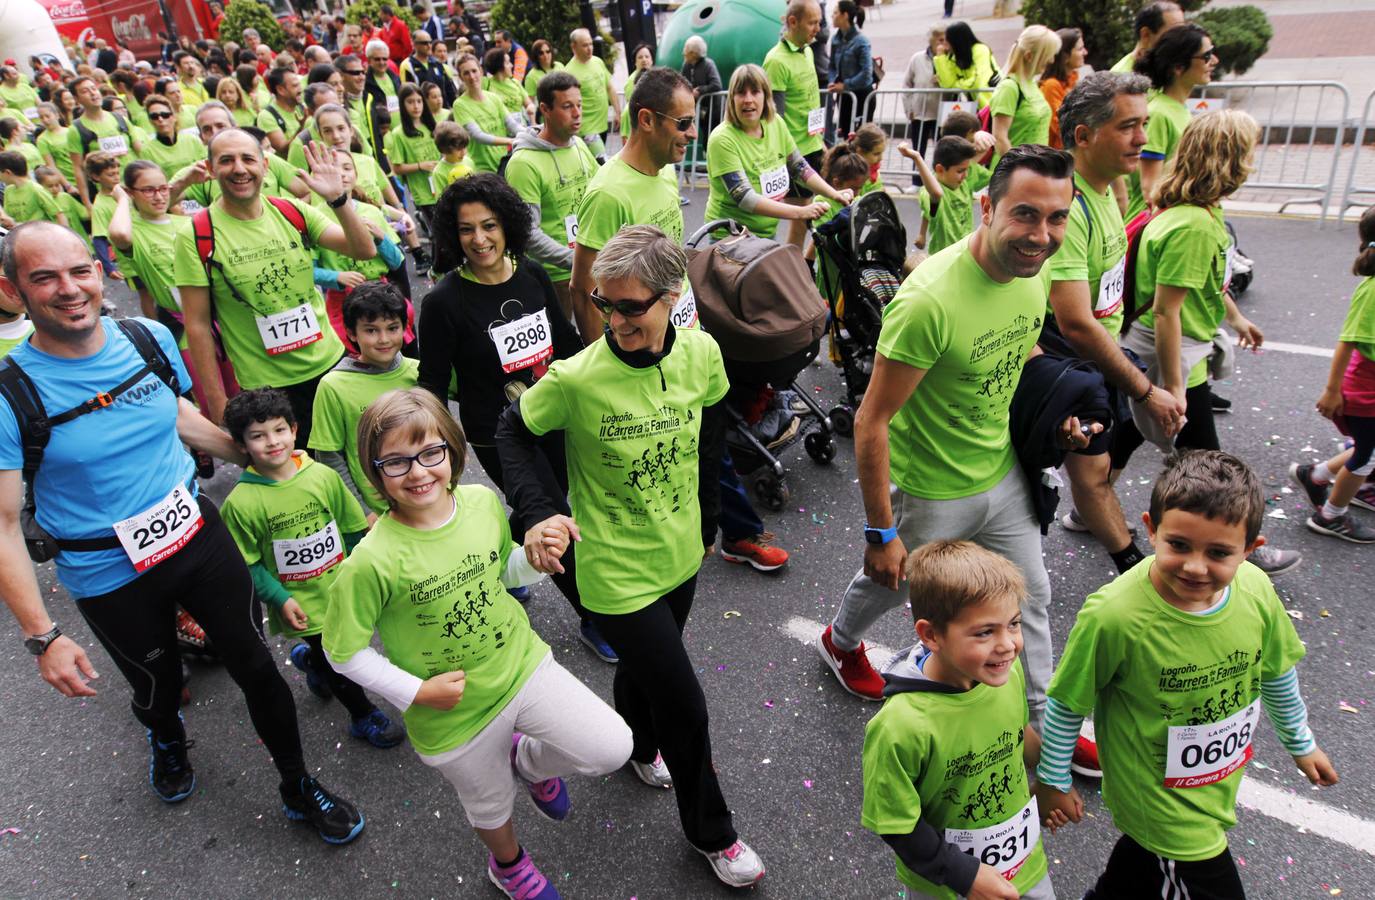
[
  {"x": 38, "y": 644},
  {"x": 338, "y": 202},
  {"x": 879, "y": 536}
]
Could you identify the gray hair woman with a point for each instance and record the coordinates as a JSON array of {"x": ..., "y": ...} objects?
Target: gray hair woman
[{"x": 642, "y": 424}]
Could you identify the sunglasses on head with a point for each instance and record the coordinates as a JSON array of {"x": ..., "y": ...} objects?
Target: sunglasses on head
[
  {"x": 631, "y": 309},
  {"x": 682, "y": 124}
]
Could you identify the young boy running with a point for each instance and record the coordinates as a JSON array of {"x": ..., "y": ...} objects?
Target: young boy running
[
  {"x": 944, "y": 761},
  {"x": 947, "y": 194},
  {"x": 1174, "y": 659},
  {"x": 294, "y": 522},
  {"x": 375, "y": 321}
]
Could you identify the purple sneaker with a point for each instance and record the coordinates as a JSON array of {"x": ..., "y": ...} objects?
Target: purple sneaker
[
  {"x": 550, "y": 795},
  {"x": 521, "y": 880}
]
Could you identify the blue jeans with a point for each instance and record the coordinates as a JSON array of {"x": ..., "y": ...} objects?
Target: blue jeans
[{"x": 738, "y": 518}]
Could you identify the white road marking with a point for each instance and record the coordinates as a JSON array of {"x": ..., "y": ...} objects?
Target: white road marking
[
  {"x": 1303, "y": 349},
  {"x": 1277, "y": 803}
]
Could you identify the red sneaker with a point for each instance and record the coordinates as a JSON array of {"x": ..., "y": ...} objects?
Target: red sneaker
[
  {"x": 1085, "y": 758},
  {"x": 757, "y": 551},
  {"x": 852, "y": 668}
]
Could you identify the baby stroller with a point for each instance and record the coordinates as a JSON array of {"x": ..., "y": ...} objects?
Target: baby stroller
[
  {"x": 859, "y": 269},
  {"x": 754, "y": 296}
]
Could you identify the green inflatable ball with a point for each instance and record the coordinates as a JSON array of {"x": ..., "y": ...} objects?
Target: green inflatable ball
[{"x": 736, "y": 31}]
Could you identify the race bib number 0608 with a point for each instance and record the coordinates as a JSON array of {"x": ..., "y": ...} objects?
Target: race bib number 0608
[{"x": 1199, "y": 755}]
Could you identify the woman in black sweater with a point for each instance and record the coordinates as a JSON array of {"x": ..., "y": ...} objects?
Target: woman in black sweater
[{"x": 489, "y": 329}]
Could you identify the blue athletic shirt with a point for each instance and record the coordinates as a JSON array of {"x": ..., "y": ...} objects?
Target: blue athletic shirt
[{"x": 106, "y": 465}]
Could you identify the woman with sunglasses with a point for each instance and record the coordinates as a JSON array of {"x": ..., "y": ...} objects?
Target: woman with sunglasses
[
  {"x": 640, "y": 413},
  {"x": 542, "y": 62},
  {"x": 1181, "y": 60},
  {"x": 492, "y": 326},
  {"x": 753, "y": 160},
  {"x": 169, "y": 148}
]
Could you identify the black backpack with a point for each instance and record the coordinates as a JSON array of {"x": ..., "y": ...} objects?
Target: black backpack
[
  {"x": 89, "y": 137},
  {"x": 35, "y": 427}
]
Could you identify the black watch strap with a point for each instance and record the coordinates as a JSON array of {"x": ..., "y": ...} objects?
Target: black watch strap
[
  {"x": 338, "y": 202},
  {"x": 39, "y": 643}
]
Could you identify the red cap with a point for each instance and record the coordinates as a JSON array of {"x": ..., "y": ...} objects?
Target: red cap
[{"x": 10, "y": 62}]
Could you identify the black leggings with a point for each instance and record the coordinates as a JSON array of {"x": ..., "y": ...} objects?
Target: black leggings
[
  {"x": 1135, "y": 873},
  {"x": 345, "y": 691},
  {"x": 556, "y": 486},
  {"x": 1199, "y": 433},
  {"x": 660, "y": 698},
  {"x": 136, "y": 624}
]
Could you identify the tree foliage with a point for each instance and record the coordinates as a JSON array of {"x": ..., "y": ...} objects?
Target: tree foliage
[
  {"x": 357, "y": 9},
  {"x": 1106, "y": 24},
  {"x": 242, "y": 14},
  {"x": 530, "y": 20},
  {"x": 1241, "y": 35}
]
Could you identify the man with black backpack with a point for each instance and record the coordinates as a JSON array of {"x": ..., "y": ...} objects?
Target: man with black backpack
[
  {"x": 94, "y": 420},
  {"x": 95, "y": 130}
]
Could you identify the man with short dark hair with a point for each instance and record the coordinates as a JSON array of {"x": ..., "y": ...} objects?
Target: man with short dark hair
[
  {"x": 421, "y": 66},
  {"x": 932, "y": 444},
  {"x": 1152, "y": 21},
  {"x": 429, "y": 23},
  {"x": 134, "y": 537},
  {"x": 520, "y": 60},
  {"x": 284, "y": 116}
]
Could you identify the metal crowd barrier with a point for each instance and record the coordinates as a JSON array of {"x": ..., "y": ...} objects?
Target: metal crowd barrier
[
  {"x": 1353, "y": 187},
  {"x": 888, "y": 110}
]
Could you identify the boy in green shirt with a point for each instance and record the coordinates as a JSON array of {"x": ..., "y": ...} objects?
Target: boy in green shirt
[
  {"x": 375, "y": 322},
  {"x": 24, "y": 200},
  {"x": 102, "y": 169},
  {"x": 945, "y": 759},
  {"x": 451, "y": 140},
  {"x": 78, "y": 219},
  {"x": 294, "y": 522},
  {"x": 947, "y": 194},
  {"x": 1174, "y": 659}
]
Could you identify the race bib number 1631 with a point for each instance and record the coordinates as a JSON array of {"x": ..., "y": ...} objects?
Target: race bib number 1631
[{"x": 1005, "y": 846}]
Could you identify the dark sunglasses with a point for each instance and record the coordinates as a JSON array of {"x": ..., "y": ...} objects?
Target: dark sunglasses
[
  {"x": 159, "y": 116},
  {"x": 1211, "y": 54},
  {"x": 353, "y": 72},
  {"x": 631, "y": 309},
  {"x": 682, "y": 124}
]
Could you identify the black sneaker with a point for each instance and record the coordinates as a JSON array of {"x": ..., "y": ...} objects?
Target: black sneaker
[
  {"x": 1345, "y": 527},
  {"x": 1303, "y": 477},
  {"x": 337, "y": 820},
  {"x": 1221, "y": 404},
  {"x": 422, "y": 259},
  {"x": 169, "y": 769}
]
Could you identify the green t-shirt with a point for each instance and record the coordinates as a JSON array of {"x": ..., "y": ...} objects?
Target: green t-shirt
[
  {"x": 437, "y": 600},
  {"x": 21, "y": 98},
  {"x": 1168, "y": 119},
  {"x": 631, "y": 437},
  {"x": 371, "y": 269},
  {"x": 1186, "y": 246},
  {"x": 371, "y": 178},
  {"x": 764, "y": 160},
  {"x": 954, "y": 760},
  {"x": 954, "y": 216},
  {"x": 274, "y": 118},
  {"x": 402, "y": 148},
  {"x": 446, "y": 173},
  {"x": 102, "y": 211},
  {"x": 533, "y": 77},
  {"x": 1095, "y": 246},
  {"x": 296, "y": 150},
  {"x": 625, "y": 105},
  {"x": 510, "y": 91},
  {"x": 149, "y": 261},
  {"x": 339, "y": 404},
  {"x": 971, "y": 335},
  {"x": 78, "y": 219},
  {"x": 1359, "y": 327},
  {"x": 12, "y": 334},
  {"x": 1024, "y": 102},
  {"x": 108, "y": 136},
  {"x": 557, "y": 181},
  {"x": 361, "y": 117},
  {"x": 1127, "y": 64},
  {"x": 31, "y": 154},
  {"x": 53, "y": 144},
  {"x": 276, "y": 177},
  {"x": 295, "y": 529},
  {"x": 1141, "y": 667},
  {"x": 792, "y": 71},
  {"x": 595, "y": 82},
  {"x": 185, "y": 152},
  {"x": 245, "y": 118},
  {"x": 490, "y": 116},
  {"x": 619, "y": 194},
  {"x": 272, "y": 275},
  {"x": 27, "y": 202}
]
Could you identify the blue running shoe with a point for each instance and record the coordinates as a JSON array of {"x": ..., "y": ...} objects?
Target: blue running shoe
[
  {"x": 377, "y": 729},
  {"x": 337, "y": 820},
  {"x": 300, "y": 655},
  {"x": 169, "y": 769},
  {"x": 597, "y": 644},
  {"x": 550, "y": 795}
]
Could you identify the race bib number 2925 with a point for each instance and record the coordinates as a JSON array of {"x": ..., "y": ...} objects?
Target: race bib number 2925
[{"x": 160, "y": 530}]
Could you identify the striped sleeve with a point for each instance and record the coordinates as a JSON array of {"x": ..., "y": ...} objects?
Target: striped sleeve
[
  {"x": 1284, "y": 705},
  {"x": 1059, "y": 733}
]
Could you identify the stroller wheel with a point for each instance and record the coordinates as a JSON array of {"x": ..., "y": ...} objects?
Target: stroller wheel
[
  {"x": 1240, "y": 282},
  {"x": 770, "y": 490},
  {"x": 820, "y": 447},
  {"x": 842, "y": 420}
]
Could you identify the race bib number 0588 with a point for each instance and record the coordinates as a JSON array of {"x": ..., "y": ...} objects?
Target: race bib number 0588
[
  {"x": 160, "y": 530},
  {"x": 1005, "y": 846},
  {"x": 1198, "y": 755}
]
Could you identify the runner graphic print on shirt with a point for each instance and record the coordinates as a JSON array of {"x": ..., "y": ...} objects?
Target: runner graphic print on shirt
[
  {"x": 655, "y": 483},
  {"x": 461, "y": 603}
]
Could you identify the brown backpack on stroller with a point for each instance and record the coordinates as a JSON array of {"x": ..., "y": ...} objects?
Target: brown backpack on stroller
[{"x": 756, "y": 298}]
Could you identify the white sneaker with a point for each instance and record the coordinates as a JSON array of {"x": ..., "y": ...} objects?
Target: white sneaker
[
  {"x": 737, "y": 865},
  {"x": 1070, "y": 521},
  {"x": 654, "y": 774}
]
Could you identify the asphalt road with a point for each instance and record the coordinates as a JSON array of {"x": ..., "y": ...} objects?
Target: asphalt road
[{"x": 77, "y": 817}]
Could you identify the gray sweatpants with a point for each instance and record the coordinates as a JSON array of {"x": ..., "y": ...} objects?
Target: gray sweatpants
[
  {"x": 1041, "y": 890},
  {"x": 1001, "y": 519}
]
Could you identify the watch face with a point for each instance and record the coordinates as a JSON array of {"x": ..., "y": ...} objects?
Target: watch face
[{"x": 873, "y": 535}]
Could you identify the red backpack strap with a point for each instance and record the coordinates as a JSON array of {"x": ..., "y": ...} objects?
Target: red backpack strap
[
  {"x": 1135, "y": 228},
  {"x": 292, "y": 214},
  {"x": 204, "y": 233}
]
